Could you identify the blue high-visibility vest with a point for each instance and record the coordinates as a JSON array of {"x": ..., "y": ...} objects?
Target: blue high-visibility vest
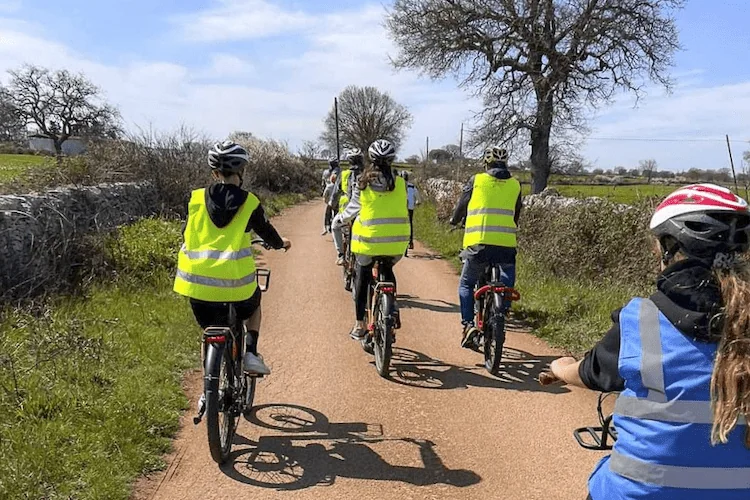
[{"x": 663, "y": 419}]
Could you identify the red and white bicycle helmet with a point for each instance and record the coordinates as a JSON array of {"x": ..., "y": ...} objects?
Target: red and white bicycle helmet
[{"x": 702, "y": 220}]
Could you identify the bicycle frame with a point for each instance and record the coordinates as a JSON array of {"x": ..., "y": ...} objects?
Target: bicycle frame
[{"x": 499, "y": 291}]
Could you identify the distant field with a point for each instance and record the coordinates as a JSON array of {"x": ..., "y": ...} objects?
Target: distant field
[
  {"x": 619, "y": 194},
  {"x": 11, "y": 166}
]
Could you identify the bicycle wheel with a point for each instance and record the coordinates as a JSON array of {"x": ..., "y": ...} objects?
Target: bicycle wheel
[
  {"x": 220, "y": 423},
  {"x": 494, "y": 338},
  {"x": 383, "y": 335}
]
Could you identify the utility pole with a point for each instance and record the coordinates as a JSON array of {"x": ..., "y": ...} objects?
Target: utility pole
[
  {"x": 731, "y": 162},
  {"x": 461, "y": 144},
  {"x": 336, "y": 112},
  {"x": 427, "y": 153}
]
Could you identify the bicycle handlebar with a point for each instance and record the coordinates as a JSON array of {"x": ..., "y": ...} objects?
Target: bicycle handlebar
[{"x": 258, "y": 241}]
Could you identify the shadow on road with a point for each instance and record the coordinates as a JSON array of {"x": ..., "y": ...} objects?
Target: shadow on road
[
  {"x": 519, "y": 371},
  {"x": 314, "y": 452},
  {"x": 424, "y": 255},
  {"x": 434, "y": 305}
]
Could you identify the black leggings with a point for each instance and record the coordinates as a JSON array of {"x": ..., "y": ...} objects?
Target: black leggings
[{"x": 363, "y": 278}]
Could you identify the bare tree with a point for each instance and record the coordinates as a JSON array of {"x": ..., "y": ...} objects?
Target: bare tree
[
  {"x": 365, "y": 115},
  {"x": 648, "y": 167},
  {"x": 454, "y": 151},
  {"x": 538, "y": 63},
  {"x": 439, "y": 155},
  {"x": 309, "y": 152},
  {"x": 12, "y": 124},
  {"x": 61, "y": 104}
]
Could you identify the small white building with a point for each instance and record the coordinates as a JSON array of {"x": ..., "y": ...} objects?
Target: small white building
[{"x": 71, "y": 147}]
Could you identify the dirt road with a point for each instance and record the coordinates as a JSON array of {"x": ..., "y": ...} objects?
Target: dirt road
[{"x": 328, "y": 427}]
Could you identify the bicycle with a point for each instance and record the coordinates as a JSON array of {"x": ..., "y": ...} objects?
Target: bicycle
[
  {"x": 228, "y": 391},
  {"x": 383, "y": 319},
  {"x": 490, "y": 296},
  {"x": 348, "y": 268}
]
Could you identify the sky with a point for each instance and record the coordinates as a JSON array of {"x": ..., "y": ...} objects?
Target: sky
[{"x": 273, "y": 67}]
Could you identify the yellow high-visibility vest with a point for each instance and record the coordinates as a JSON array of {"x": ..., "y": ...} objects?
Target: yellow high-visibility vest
[
  {"x": 492, "y": 208},
  {"x": 344, "y": 200},
  {"x": 216, "y": 264},
  {"x": 382, "y": 227}
]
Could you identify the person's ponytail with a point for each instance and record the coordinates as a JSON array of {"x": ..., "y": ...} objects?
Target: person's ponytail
[{"x": 730, "y": 382}]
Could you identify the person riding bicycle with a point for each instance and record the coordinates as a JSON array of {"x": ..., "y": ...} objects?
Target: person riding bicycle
[
  {"x": 381, "y": 228},
  {"x": 330, "y": 212},
  {"x": 490, "y": 205},
  {"x": 413, "y": 199},
  {"x": 215, "y": 265},
  {"x": 344, "y": 189},
  {"x": 680, "y": 360}
]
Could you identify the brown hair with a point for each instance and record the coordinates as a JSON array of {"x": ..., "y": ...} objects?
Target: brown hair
[
  {"x": 371, "y": 173},
  {"x": 730, "y": 382}
]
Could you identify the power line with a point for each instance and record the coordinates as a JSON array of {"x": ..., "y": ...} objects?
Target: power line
[{"x": 656, "y": 139}]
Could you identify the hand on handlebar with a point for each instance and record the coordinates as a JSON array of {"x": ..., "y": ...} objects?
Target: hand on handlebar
[{"x": 287, "y": 244}]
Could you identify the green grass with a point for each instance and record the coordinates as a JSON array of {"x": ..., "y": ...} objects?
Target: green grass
[
  {"x": 91, "y": 391},
  {"x": 90, "y": 386},
  {"x": 569, "y": 314},
  {"x": 11, "y": 166}
]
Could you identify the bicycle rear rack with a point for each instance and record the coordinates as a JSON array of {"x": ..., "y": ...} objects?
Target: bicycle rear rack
[
  {"x": 264, "y": 279},
  {"x": 599, "y": 438}
]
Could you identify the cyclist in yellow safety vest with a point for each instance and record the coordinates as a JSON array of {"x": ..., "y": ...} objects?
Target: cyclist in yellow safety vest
[
  {"x": 215, "y": 265},
  {"x": 345, "y": 188},
  {"x": 489, "y": 205},
  {"x": 381, "y": 229}
]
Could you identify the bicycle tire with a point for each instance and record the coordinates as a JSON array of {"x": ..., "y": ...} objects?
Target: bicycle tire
[
  {"x": 383, "y": 335},
  {"x": 220, "y": 431},
  {"x": 494, "y": 338}
]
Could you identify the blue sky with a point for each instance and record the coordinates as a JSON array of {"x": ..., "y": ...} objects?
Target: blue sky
[{"x": 273, "y": 67}]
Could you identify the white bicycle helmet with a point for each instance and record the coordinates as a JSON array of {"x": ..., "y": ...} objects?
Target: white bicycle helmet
[
  {"x": 382, "y": 152},
  {"x": 495, "y": 154},
  {"x": 228, "y": 157}
]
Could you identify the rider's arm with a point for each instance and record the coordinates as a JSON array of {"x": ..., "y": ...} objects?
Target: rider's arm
[
  {"x": 333, "y": 197},
  {"x": 519, "y": 206},
  {"x": 566, "y": 369},
  {"x": 459, "y": 213},
  {"x": 599, "y": 368},
  {"x": 262, "y": 226},
  {"x": 352, "y": 208}
]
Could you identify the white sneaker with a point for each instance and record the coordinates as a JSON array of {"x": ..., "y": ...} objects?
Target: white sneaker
[
  {"x": 340, "y": 260},
  {"x": 255, "y": 364}
]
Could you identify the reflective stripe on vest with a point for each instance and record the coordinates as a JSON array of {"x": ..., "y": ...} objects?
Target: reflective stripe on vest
[
  {"x": 216, "y": 264},
  {"x": 664, "y": 419},
  {"x": 382, "y": 227},
  {"x": 491, "y": 211}
]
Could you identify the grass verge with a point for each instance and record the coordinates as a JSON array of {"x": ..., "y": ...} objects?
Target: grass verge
[
  {"x": 12, "y": 165},
  {"x": 567, "y": 313},
  {"x": 90, "y": 386}
]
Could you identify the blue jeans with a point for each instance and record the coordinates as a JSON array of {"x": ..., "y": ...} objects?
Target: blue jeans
[{"x": 474, "y": 266}]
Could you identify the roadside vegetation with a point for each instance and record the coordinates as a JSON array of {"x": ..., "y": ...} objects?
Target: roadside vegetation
[{"x": 14, "y": 165}]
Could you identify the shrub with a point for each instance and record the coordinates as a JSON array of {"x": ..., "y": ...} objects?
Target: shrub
[
  {"x": 146, "y": 250},
  {"x": 590, "y": 239}
]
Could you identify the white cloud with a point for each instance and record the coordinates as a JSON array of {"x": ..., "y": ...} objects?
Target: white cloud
[
  {"x": 10, "y": 6},
  {"x": 240, "y": 20},
  {"x": 288, "y": 97}
]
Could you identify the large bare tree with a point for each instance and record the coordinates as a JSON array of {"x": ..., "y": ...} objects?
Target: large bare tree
[
  {"x": 365, "y": 115},
  {"x": 61, "y": 104},
  {"x": 538, "y": 63},
  {"x": 12, "y": 124}
]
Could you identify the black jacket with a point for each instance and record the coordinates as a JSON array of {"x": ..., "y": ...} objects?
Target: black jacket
[
  {"x": 687, "y": 294},
  {"x": 459, "y": 213},
  {"x": 223, "y": 201}
]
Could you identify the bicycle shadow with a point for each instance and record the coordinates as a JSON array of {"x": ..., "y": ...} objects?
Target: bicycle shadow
[
  {"x": 519, "y": 371},
  {"x": 311, "y": 451},
  {"x": 415, "y": 254},
  {"x": 434, "y": 305}
]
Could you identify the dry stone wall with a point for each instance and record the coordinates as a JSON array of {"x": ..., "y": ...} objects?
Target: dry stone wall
[{"x": 42, "y": 235}]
